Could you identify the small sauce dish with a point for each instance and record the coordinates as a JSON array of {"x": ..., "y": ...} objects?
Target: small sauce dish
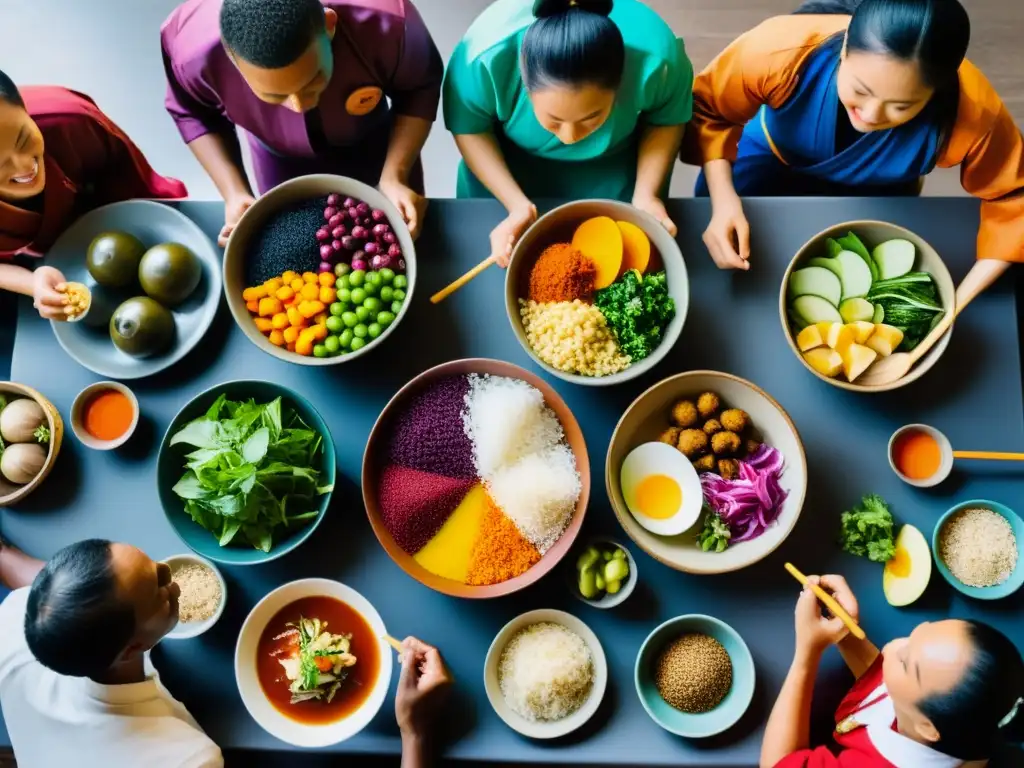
[
  {"x": 185, "y": 630},
  {"x": 920, "y": 455},
  {"x": 606, "y": 599},
  {"x": 104, "y": 415}
]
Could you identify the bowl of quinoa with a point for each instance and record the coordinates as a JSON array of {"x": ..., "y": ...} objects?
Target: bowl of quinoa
[
  {"x": 977, "y": 549},
  {"x": 203, "y": 594}
]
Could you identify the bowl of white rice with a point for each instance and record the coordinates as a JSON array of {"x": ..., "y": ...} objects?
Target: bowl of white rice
[
  {"x": 203, "y": 594},
  {"x": 977, "y": 548},
  {"x": 545, "y": 674}
]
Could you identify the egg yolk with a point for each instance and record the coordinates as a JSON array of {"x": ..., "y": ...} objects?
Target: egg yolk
[
  {"x": 658, "y": 497},
  {"x": 899, "y": 566}
]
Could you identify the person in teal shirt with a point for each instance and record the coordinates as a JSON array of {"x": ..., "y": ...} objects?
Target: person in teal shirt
[{"x": 567, "y": 99}]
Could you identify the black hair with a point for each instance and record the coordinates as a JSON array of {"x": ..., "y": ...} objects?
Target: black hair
[
  {"x": 75, "y": 622},
  {"x": 968, "y": 718},
  {"x": 573, "y": 42},
  {"x": 270, "y": 33},
  {"x": 9, "y": 91}
]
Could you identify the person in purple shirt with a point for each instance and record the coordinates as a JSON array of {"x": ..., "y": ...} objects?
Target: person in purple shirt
[{"x": 341, "y": 86}]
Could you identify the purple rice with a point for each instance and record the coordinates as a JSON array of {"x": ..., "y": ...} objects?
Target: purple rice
[
  {"x": 286, "y": 241},
  {"x": 429, "y": 435}
]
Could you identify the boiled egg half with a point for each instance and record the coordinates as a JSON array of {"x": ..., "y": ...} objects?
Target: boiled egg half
[{"x": 661, "y": 489}]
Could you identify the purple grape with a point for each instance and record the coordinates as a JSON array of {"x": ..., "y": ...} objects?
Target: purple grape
[
  {"x": 339, "y": 232},
  {"x": 363, "y": 208},
  {"x": 389, "y": 238},
  {"x": 336, "y": 246},
  {"x": 394, "y": 251},
  {"x": 323, "y": 234},
  {"x": 379, "y": 230},
  {"x": 366, "y": 221},
  {"x": 325, "y": 266},
  {"x": 326, "y": 251},
  {"x": 360, "y": 255},
  {"x": 372, "y": 249},
  {"x": 353, "y": 213},
  {"x": 329, "y": 211},
  {"x": 335, "y": 220},
  {"x": 400, "y": 265},
  {"x": 380, "y": 261},
  {"x": 360, "y": 233},
  {"x": 359, "y": 264},
  {"x": 333, "y": 199},
  {"x": 379, "y": 215},
  {"x": 349, "y": 243},
  {"x": 350, "y": 202}
]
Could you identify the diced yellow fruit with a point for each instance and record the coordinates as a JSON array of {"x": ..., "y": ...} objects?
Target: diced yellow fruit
[
  {"x": 291, "y": 334},
  {"x": 839, "y": 337},
  {"x": 823, "y": 327},
  {"x": 881, "y": 345},
  {"x": 809, "y": 338},
  {"x": 862, "y": 331},
  {"x": 825, "y": 361},
  {"x": 856, "y": 359},
  {"x": 289, "y": 275},
  {"x": 894, "y": 335}
]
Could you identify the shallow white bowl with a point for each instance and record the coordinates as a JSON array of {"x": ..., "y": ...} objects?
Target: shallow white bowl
[
  {"x": 540, "y": 729},
  {"x": 656, "y": 455},
  {"x": 78, "y": 426},
  {"x": 195, "y": 628},
  {"x": 262, "y": 711}
]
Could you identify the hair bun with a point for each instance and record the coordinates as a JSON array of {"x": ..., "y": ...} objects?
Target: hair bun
[{"x": 542, "y": 9}]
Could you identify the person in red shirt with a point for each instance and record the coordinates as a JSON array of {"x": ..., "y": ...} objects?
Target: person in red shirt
[{"x": 944, "y": 697}]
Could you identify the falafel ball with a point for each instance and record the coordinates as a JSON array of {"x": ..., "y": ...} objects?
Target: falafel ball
[
  {"x": 705, "y": 464},
  {"x": 735, "y": 420},
  {"x": 684, "y": 414},
  {"x": 711, "y": 426},
  {"x": 693, "y": 443},
  {"x": 729, "y": 469},
  {"x": 708, "y": 404},
  {"x": 725, "y": 443},
  {"x": 752, "y": 445},
  {"x": 670, "y": 436}
]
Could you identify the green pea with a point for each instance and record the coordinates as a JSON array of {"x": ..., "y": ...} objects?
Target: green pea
[
  {"x": 387, "y": 275},
  {"x": 335, "y": 324},
  {"x": 337, "y": 308},
  {"x": 358, "y": 344},
  {"x": 363, "y": 314},
  {"x": 384, "y": 319},
  {"x": 360, "y": 331},
  {"x": 374, "y": 278},
  {"x": 349, "y": 319},
  {"x": 345, "y": 339},
  {"x": 372, "y": 289},
  {"x": 387, "y": 294},
  {"x": 344, "y": 296},
  {"x": 341, "y": 269},
  {"x": 401, "y": 281},
  {"x": 319, "y": 351},
  {"x": 399, "y": 294},
  {"x": 396, "y": 307},
  {"x": 357, "y": 278},
  {"x": 333, "y": 344},
  {"x": 374, "y": 330},
  {"x": 358, "y": 296},
  {"x": 373, "y": 304},
  {"x": 343, "y": 281}
]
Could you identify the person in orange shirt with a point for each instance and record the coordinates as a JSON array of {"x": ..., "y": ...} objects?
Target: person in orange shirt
[{"x": 855, "y": 97}]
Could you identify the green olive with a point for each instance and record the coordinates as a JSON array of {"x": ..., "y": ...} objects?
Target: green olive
[
  {"x": 615, "y": 570},
  {"x": 588, "y": 584},
  {"x": 613, "y": 586}
]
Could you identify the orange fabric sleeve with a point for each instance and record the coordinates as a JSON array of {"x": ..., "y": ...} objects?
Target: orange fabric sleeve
[
  {"x": 760, "y": 67},
  {"x": 989, "y": 148}
]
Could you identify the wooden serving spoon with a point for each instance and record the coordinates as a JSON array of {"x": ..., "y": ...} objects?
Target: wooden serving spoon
[{"x": 895, "y": 367}]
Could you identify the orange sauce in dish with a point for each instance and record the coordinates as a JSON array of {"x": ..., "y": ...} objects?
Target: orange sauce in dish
[
  {"x": 916, "y": 454},
  {"x": 658, "y": 497},
  {"x": 108, "y": 415}
]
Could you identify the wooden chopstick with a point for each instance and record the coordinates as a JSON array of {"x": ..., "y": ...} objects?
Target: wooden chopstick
[
  {"x": 991, "y": 455},
  {"x": 453, "y": 286},
  {"x": 830, "y": 603},
  {"x": 393, "y": 643}
]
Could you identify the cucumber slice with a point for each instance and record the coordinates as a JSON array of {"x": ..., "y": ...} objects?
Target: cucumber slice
[
  {"x": 833, "y": 247},
  {"x": 816, "y": 281},
  {"x": 855, "y": 275},
  {"x": 830, "y": 264},
  {"x": 879, "y": 314},
  {"x": 854, "y": 310},
  {"x": 853, "y": 243},
  {"x": 814, "y": 309},
  {"x": 894, "y": 258}
]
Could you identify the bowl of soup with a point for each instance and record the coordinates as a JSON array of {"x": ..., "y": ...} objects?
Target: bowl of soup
[{"x": 311, "y": 663}]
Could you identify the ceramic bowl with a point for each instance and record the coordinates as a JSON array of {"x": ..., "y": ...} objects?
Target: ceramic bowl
[
  {"x": 872, "y": 233},
  {"x": 732, "y": 707},
  {"x": 945, "y": 453},
  {"x": 262, "y": 711},
  {"x": 171, "y": 463},
  {"x": 557, "y": 226},
  {"x": 374, "y": 462},
  {"x": 289, "y": 193},
  {"x": 648, "y": 416},
  {"x": 545, "y": 729},
  {"x": 9, "y": 492},
  {"x": 185, "y": 631},
  {"x": 606, "y": 600},
  {"x": 1016, "y": 579},
  {"x": 88, "y": 342},
  {"x": 78, "y": 415}
]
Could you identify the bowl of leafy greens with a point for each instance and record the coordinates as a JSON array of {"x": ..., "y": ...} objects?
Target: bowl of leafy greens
[
  {"x": 597, "y": 292},
  {"x": 859, "y": 292},
  {"x": 245, "y": 472}
]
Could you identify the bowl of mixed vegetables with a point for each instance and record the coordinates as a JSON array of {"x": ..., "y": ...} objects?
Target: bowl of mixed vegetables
[
  {"x": 245, "y": 472},
  {"x": 597, "y": 292},
  {"x": 859, "y": 292}
]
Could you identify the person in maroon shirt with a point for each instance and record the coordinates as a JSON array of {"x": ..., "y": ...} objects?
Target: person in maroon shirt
[
  {"x": 339, "y": 86},
  {"x": 944, "y": 697}
]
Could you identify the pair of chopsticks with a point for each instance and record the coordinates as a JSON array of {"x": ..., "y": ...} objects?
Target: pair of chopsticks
[
  {"x": 830, "y": 602},
  {"x": 396, "y": 644}
]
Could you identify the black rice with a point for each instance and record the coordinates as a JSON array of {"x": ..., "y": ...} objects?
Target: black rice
[{"x": 286, "y": 241}]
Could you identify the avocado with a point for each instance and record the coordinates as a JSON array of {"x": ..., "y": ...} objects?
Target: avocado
[
  {"x": 141, "y": 327},
  {"x": 113, "y": 258},
  {"x": 169, "y": 272}
]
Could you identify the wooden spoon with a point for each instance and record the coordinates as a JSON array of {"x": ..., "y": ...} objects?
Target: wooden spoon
[{"x": 988, "y": 455}]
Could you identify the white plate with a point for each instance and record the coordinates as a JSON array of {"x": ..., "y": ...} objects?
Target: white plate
[
  {"x": 544, "y": 729},
  {"x": 262, "y": 711},
  {"x": 195, "y": 628}
]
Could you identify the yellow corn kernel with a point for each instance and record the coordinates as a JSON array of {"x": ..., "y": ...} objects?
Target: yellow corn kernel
[
  {"x": 277, "y": 338},
  {"x": 291, "y": 334},
  {"x": 253, "y": 306},
  {"x": 296, "y": 284},
  {"x": 279, "y": 321},
  {"x": 319, "y": 331},
  {"x": 326, "y": 278},
  {"x": 263, "y": 324},
  {"x": 321, "y": 319},
  {"x": 272, "y": 285},
  {"x": 310, "y": 309},
  {"x": 327, "y": 294},
  {"x": 289, "y": 275},
  {"x": 296, "y": 318},
  {"x": 254, "y": 294},
  {"x": 269, "y": 306},
  {"x": 310, "y": 291},
  {"x": 309, "y": 277},
  {"x": 284, "y": 293}
]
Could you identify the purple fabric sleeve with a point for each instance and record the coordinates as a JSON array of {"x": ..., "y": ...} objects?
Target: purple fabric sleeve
[{"x": 417, "y": 81}]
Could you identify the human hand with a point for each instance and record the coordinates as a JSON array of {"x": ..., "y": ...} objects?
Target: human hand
[
  {"x": 422, "y": 687},
  {"x": 815, "y": 632},
  {"x": 728, "y": 234},
  {"x": 48, "y": 297},
  {"x": 409, "y": 203},
  {"x": 656, "y": 208},
  {"x": 505, "y": 236},
  {"x": 234, "y": 207}
]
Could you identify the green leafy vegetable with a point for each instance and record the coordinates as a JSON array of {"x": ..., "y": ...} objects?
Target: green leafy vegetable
[
  {"x": 715, "y": 535},
  {"x": 42, "y": 434},
  {"x": 867, "y": 530},
  {"x": 638, "y": 310},
  {"x": 251, "y": 472},
  {"x": 911, "y": 303}
]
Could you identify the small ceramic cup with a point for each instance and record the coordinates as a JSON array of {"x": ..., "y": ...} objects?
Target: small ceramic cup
[
  {"x": 82, "y": 289},
  {"x": 184, "y": 631},
  {"x": 78, "y": 415},
  {"x": 945, "y": 456},
  {"x": 606, "y": 600}
]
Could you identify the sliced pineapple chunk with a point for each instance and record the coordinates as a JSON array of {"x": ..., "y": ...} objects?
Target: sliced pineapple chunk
[
  {"x": 893, "y": 335},
  {"x": 881, "y": 344},
  {"x": 825, "y": 361},
  {"x": 839, "y": 337},
  {"x": 862, "y": 331},
  {"x": 823, "y": 327},
  {"x": 856, "y": 359},
  {"x": 810, "y": 337}
]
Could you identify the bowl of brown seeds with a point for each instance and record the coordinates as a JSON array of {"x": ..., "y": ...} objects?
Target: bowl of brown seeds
[
  {"x": 203, "y": 593},
  {"x": 694, "y": 676}
]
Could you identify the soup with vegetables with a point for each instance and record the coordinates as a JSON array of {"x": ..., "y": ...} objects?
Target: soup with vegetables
[{"x": 317, "y": 660}]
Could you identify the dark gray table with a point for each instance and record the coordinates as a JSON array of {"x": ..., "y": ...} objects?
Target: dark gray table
[{"x": 974, "y": 395}]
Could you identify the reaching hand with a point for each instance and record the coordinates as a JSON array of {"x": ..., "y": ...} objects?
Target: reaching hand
[
  {"x": 728, "y": 234},
  {"x": 656, "y": 208},
  {"x": 234, "y": 207},
  {"x": 48, "y": 293},
  {"x": 505, "y": 236},
  {"x": 422, "y": 687},
  {"x": 815, "y": 632},
  {"x": 409, "y": 203}
]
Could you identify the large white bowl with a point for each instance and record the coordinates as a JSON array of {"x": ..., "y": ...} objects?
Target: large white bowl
[
  {"x": 262, "y": 711},
  {"x": 542, "y": 729},
  {"x": 648, "y": 416}
]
